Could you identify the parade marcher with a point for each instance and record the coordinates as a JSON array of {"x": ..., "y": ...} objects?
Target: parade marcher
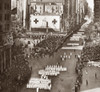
[
  {"x": 69, "y": 56},
  {"x": 87, "y": 82},
  {"x": 95, "y": 75},
  {"x": 66, "y": 56},
  {"x": 70, "y": 53},
  {"x": 86, "y": 72},
  {"x": 76, "y": 88}
]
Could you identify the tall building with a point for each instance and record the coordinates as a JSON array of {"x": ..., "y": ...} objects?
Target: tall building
[
  {"x": 13, "y": 4},
  {"x": 20, "y": 7},
  {"x": 69, "y": 14},
  {"x": 96, "y": 10},
  {"x": 73, "y": 13},
  {"x": 5, "y": 35},
  {"x": 39, "y": 12}
]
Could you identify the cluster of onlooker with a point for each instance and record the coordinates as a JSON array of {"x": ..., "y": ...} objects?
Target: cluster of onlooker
[
  {"x": 91, "y": 49},
  {"x": 78, "y": 69},
  {"x": 48, "y": 46},
  {"x": 38, "y": 45},
  {"x": 18, "y": 74},
  {"x": 91, "y": 52}
]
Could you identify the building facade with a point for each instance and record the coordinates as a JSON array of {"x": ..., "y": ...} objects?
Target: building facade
[
  {"x": 73, "y": 13},
  {"x": 13, "y": 4},
  {"x": 5, "y": 35},
  {"x": 40, "y": 11},
  {"x": 20, "y": 8},
  {"x": 96, "y": 10}
]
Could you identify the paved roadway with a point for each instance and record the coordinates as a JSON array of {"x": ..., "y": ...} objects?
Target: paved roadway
[
  {"x": 93, "y": 82},
  {"x": 89, "y": 75},
  {"x": 66, "y": 80}
]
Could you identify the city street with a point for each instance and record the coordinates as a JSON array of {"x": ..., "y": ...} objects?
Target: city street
[
  {"x": 66, "y": 80},
  {"x": 93, "y": 80},
  {"x": 49, "y": 45}
]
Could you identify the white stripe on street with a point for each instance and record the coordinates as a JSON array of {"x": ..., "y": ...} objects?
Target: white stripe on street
[
  {"x": 92, "y": 90},
  {"x": 74, "y": 47},
  {"x": 72, "y": 43}
]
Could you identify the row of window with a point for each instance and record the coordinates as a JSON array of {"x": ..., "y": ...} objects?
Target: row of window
[
  {"x": 7, "y": 27},
  {"x": 6, "y": 17},
  {"x": 0, "y": 27},
  {"x": 6, "y": 6}
]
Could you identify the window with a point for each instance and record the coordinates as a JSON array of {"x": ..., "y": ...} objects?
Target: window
[
  {"x": 0, "y": 6},
  {"x": 0, "y": 17},
  {"x": 6, "y": 6},
  {"x": 0, "y": 66},
  {"x": 7, "y": 26},
  {"x": 0, "y": 28},
  {"x": 7, "y": 58},
  {"x": 7, "y": 17}
]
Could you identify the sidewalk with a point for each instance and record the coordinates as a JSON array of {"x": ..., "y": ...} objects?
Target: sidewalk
[
  {"x": 93, "y": 80},
  {"x": 91, "y": 75},
  {"x": 92, "y": 90}
]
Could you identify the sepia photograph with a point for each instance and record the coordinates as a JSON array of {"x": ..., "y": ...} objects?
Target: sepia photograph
[{"x": 49, "y": 45}]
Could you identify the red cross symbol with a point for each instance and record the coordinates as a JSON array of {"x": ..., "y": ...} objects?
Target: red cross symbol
[
  {"x": 54, "y": 21},
  {"x": 36, "y": 21}
]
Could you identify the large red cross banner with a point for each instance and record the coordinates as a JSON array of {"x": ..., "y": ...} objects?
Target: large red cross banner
[{"x": 41, "y": 21}]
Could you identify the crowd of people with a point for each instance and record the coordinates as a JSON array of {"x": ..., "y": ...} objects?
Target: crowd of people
[
  {"x": 20, "y": 71},
  {"x": 38, "y": 45},
  {"x": 48, "y": 46},
  {"x": 16, "y": 76},
  {"x": 78, "y": 69},
  {"x": 91, "y": 51}
]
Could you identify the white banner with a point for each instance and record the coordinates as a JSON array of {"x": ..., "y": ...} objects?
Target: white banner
[
  {"x": 39, "y": 83},
  {"x": 41, "y": 21}
]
